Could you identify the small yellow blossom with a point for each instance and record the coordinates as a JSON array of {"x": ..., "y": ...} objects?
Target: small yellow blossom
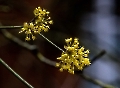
[
  {"x": 74, "y": 57},
  {"x": 41, "y": 22}
]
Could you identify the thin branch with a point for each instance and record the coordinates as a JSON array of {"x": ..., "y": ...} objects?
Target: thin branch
[
  {"x": 97, "y": 82},
  {"x": 18, "y": 41},
  {"x": 15, "y": 74},
  {"x": 45, "y": 60},
  {"x": 10, "y": 27},
  {"x": 50, "y": 62},
  {"x": 51, "y": 42},
  {"x": 103, "y": 52}
]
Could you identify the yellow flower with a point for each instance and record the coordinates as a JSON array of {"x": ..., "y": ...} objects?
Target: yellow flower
[
  {"x": 74, "y": 57},
  {"x": 28, "y": 29},
  {"x": 40, "y": 23},
  {"x": 42, "y": 17}
]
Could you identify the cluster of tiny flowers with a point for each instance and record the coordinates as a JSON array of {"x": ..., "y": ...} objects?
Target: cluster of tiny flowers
[
  {"x": 74, "y": 57},
  {"x": 40, "y": 23}
]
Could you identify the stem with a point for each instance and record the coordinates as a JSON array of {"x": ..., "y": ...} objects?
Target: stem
[
  {"x": 51, "y": 42},
  {"x": 10, "y": 27},
  {"x": 18, "y": 76}
]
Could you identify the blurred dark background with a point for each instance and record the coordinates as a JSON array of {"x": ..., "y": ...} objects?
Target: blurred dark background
[{"x": 94, "y": 22}]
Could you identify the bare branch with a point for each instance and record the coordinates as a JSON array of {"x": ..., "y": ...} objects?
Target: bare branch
[
  {"x": 51, "y": 42},
  {"x": 15, "y": 74},
  {"x": 98, "y": 56},
  {"x": 97, "y": 82},
  {"x": 50, "y": 62}
]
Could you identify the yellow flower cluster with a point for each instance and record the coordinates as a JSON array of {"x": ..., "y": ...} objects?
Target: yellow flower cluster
[
  {"x": 74, "y": 57},
  {"x": 41, "y": 22}
]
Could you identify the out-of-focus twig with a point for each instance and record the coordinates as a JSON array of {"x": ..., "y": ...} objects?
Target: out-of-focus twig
[
  {"x": 97, "y": 82},
  {"x": 49, "y": 62},
  {"x": 32, "y": 48},
  {"x": 98, "y": 56},
  {"x": 14, "y": 73}
]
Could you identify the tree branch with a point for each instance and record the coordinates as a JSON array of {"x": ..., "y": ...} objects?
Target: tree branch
[
  {"x": 52, "y": 63},
  {"x": 103, "y": 52},
  {"x": 15, "y": 74}
]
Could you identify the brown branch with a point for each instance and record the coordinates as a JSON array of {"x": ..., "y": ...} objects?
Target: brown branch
[{"x": 47, "y": 61}]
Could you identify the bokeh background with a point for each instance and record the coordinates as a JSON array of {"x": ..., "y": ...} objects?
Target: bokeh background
[{"x": 95, "y": 22}]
